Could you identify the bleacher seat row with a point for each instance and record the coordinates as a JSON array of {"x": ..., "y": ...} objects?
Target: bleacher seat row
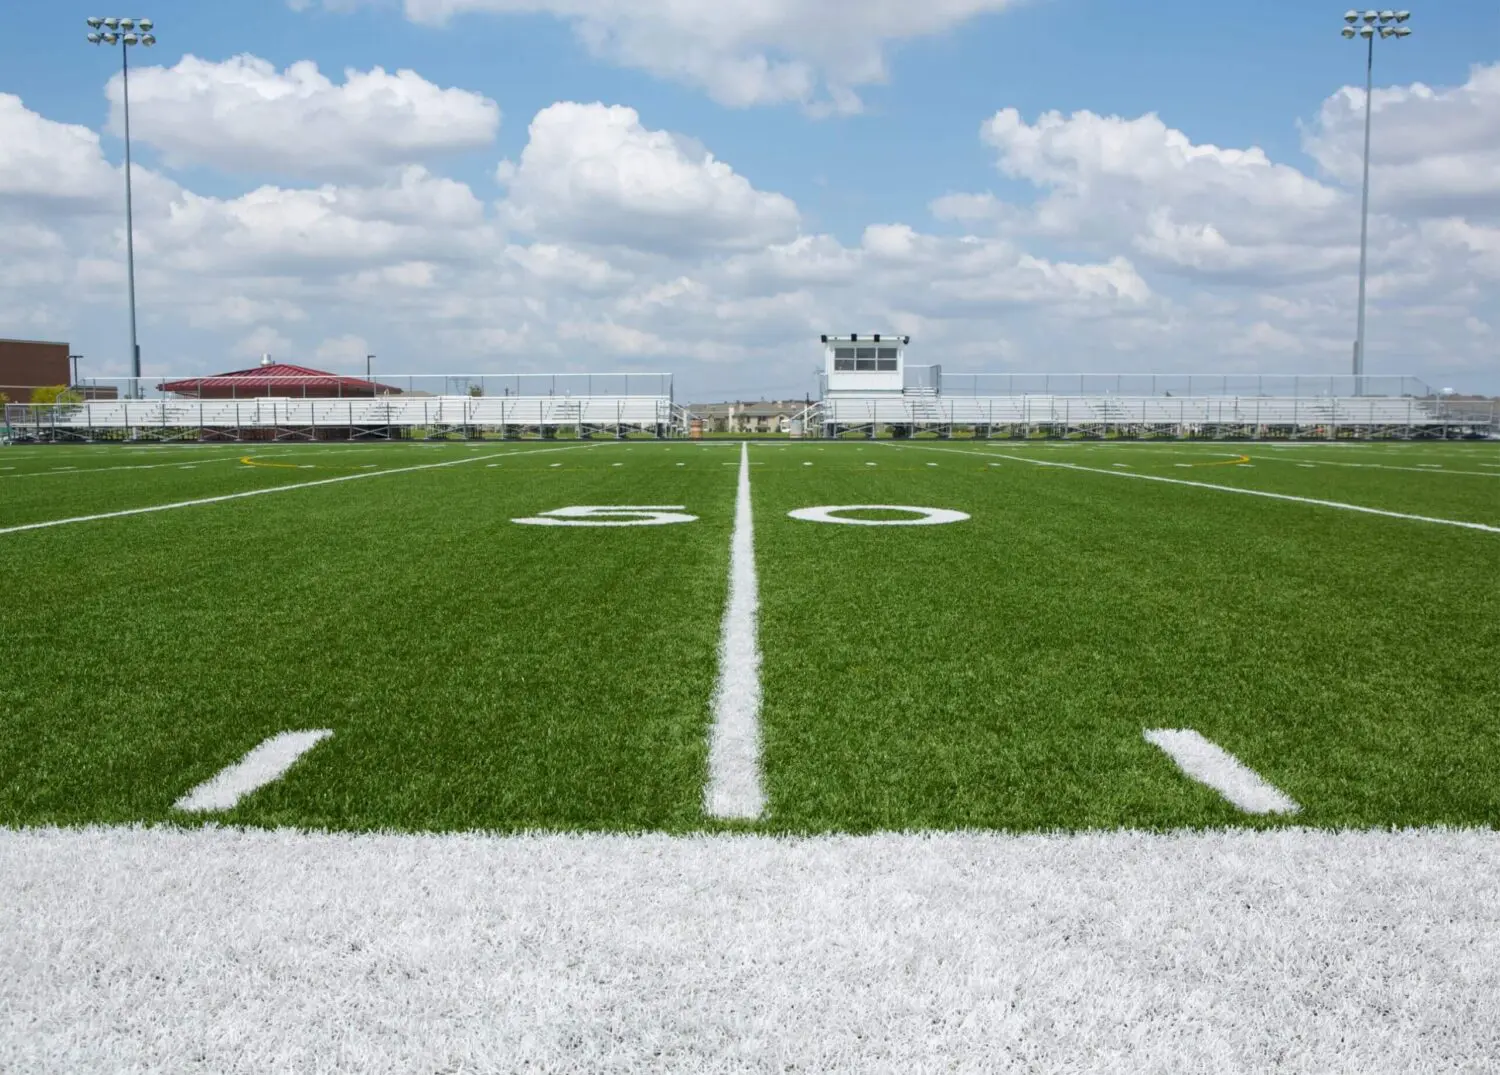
[
  {"x": 1046, "y": 410},
  {"x": 427, "y": 411}
]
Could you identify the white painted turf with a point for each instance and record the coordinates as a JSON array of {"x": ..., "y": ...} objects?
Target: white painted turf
[
  {"x": 226, "y": 951},
  {"x": 265, "y": 763},
  {"x": 734, "y": 788},
  {"x": 1210, "y": 764}
]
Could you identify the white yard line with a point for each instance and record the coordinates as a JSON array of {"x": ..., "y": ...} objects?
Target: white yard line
[
  {"x": 1135, "y": 476},
  {"x": 276, "y": 489},
  {"x": 1293, "y": 950},
  {"x": 734, "y": 781},
  {"x": 101, "y": 470},
  {"x": 1436, "y": 468},
  {"x": 266, "y": 763},
  {"x": 1210, "y": 764}
]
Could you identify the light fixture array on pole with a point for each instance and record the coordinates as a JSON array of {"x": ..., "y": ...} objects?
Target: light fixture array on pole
[
  {"x": 1368, "y": 25},
  {"x": 112, "y": 31}
]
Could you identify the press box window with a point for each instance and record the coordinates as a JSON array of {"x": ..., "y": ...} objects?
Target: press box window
[
  {"x": 864, "y": 359},
  {"x": 843, "y": 359},
  {"x": 886, "y": 360}
]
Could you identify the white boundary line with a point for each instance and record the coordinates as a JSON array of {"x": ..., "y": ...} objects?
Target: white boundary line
[
  {"x": 268, "y": 762},
  {"x": 1210, "y": 485},
  {"x": 1208, "y": 763},
  {"x": 734, "y": 782},
  {"x": 1231, "y": 951},
  {"x": 1379, "y": 466},
  {"x": 281, "y": 489},
  {"x": 131, "y": 466}
]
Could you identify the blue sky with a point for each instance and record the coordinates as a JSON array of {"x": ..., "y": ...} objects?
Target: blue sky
[{"x": 1229, "y": 273}]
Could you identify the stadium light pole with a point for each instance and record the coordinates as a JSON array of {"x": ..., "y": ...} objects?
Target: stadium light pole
[
  {"x": 110, "y": 31},
  {"x": 1386, "y": 25},
  {"x": 368, "y": 360}
]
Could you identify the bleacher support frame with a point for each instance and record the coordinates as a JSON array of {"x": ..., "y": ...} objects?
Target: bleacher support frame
[
  {"x": 382, "y": 418},
  {"x": 1250, "y": 407}
]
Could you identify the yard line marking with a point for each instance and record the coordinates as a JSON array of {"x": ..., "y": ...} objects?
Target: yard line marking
[
  {"x": 1420, "y": 468},
  {"x": 1340, "y": 505},
  {"x": 1210, "y": 764},
  {"x": 273, "y": 489},
  {"x": 100, "y": 470},
  {"x": 266, "y": 763},
  {"x": 734, "y": 783}
]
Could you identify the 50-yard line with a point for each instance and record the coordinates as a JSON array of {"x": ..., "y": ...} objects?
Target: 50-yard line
[{"x": 734, "y": 788}]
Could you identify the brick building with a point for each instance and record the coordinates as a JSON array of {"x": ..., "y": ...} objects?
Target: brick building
[{"x": 29, "y": 364}]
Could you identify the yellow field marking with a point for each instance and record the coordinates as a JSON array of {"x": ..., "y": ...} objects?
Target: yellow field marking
[
  {"x": 250, "y": 461},
  {"x": 1236, "y": 461}
]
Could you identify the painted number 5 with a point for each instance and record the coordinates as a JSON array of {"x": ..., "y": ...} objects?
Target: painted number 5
[{"x": 611, "y": 515}]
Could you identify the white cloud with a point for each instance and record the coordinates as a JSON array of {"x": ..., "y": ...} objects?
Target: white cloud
[
  {"x": 619, "y": 245},
  {"x": 347, "y": 351},
  {"x": 242, "y": 115},
  {"x": 1432, "y": 150},
  {"x": 1199, "y": 209},
  {"x": 48, "y": 161},
  {"x": 275, "y": 229},
  {"x": 262, "y": 340},
  {"x": 594, "y": 173},
  {"x": 742, "y": 52}
]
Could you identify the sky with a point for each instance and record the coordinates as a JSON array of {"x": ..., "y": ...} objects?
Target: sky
[{"x": 702, "y": 188}]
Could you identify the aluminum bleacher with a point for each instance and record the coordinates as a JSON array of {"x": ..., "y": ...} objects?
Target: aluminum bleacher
[
  {"x": 1109, "y": 414},
  {"x": 315, "y": 419}
]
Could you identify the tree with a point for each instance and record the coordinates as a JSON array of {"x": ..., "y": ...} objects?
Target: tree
[
  {"x": 476, "y": 390},
  {"x": 55, "y": 393}
]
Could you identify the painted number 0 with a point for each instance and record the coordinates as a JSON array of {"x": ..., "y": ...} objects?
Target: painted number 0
[
  {"x": 611, "y": 515},
  {"x": 664, "y": 514},
  {"x": 924, "y": 516}
]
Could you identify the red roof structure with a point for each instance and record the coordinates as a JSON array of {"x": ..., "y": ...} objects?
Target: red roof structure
[{"x": 277, "y": 379}]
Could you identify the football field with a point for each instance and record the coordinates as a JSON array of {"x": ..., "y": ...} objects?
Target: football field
[
  {"x": 1190, "y": 669},
  {"x": 993, "y": 672}
]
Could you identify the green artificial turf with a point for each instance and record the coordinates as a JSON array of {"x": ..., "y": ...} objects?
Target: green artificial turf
[
  {"x": 992, "y": 673},
  {"x": 476, "y": 673}
]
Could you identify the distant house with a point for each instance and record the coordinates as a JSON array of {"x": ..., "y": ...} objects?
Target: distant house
[
  {"x": 741, "y": 417},
  {"x": 278, "y": 379}
]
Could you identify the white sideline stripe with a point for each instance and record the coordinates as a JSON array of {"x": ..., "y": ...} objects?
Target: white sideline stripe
[
  {"x": 1420, "y": 468},
  {"x": 1229, "y": 951},
  {"x": 1222, "y": 489},
  {"x": 266, "y": 763},
  {"x": 278, "y": 489},
  {"x": 101, "y": 470},
  {"x": 1208, "y": 763},
  {"x": 734, "y": 783}
]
